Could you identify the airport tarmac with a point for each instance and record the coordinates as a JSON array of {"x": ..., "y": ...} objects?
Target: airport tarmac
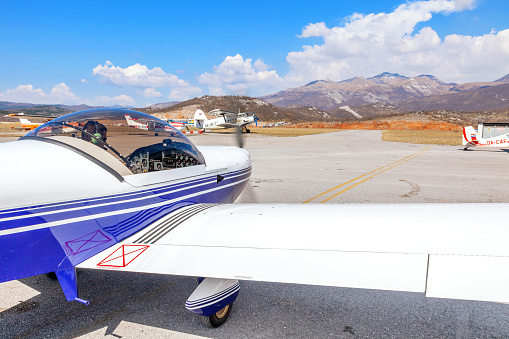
[{"x": 341, "y": 167}]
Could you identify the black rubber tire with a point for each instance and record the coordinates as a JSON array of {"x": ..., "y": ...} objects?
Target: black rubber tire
[{"x": 218, "y": 318}]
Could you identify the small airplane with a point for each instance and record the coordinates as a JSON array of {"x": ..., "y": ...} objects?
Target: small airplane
[
  {"x": 245, "y": 119},
  {"x": 227, "y": 120},
  {"x": 30, "y": 121},
  {"x": 147, "y": 126},
  {"x": 178, "y": 124},
  {"x": 83, "y": 191},
  {"x": 472, "y": 139}
]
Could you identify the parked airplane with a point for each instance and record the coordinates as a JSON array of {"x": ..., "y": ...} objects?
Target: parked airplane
[
  {"x": 111, "y": 198},
  {"x": 246, "y": 119},
  {"x": 30, "y": 121},
  {"x": 178, "y": 124},
  {"x": 227, "y": 120},
  {"x": 147, "y": 126},
  {"x": 472, "y": 139}
]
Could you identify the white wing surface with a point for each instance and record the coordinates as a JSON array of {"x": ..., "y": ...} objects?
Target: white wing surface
[{"x": 432, "y": 248}]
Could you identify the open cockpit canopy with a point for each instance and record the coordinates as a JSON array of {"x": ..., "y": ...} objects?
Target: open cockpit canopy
[{"x": 127, "y": 141}]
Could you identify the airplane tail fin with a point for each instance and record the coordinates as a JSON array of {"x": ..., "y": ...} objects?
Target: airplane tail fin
[
  {"x": 199, "y": 118},
  {"x": 130, "y": 120},
  {"x": 470, "y": 137}
]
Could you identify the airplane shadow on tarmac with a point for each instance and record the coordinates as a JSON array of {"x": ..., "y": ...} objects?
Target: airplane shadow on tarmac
[{"x": 155, "y": 303}]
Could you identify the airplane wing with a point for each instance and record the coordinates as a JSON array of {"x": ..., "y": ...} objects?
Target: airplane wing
[
  {"x": 432, "y": 248},
  {"x": 227, "y": 125},
  {"x": 34, "y": 118}
]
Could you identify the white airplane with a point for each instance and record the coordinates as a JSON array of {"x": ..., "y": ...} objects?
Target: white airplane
[
  {"x": 227, "y": 120},
  {"x": 161, "y": 205},
  {"x": 30, "y": 121},
  {"x": 152, "y": 126},
  {"x": 246, "y": 119},
  {"x": 472, "y": 139}
]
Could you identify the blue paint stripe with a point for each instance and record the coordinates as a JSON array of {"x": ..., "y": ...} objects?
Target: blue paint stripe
[
  {"x": 112, "y": 198},
  {"x": 214, "y": 298},
  {"x": 122, "y": 227},
  {"x": 63, "y": 212},
  {"x": 19, "y": 259}
]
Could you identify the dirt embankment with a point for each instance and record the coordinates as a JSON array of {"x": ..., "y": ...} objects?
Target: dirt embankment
[{"x": 383, "y": 125}]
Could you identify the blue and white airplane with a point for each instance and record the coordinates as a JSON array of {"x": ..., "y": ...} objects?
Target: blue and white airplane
[{"x": 86, "y": 191}]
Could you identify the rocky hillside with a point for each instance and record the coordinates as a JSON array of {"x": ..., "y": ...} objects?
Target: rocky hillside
[
  {"x": 264, "y": 111},
  {"x": 477, "y": 99},
  {"x": 388, "y": 88}
]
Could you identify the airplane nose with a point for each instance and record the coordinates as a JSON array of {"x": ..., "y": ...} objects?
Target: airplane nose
[
  {"x": 243, "y": 157},
  {"x": 247, "y": 153}
]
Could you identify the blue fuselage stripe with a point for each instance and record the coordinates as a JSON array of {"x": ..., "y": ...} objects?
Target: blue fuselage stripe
[
  {"x": 61, "y": 235},
  {"x": 86, "y": 208}
]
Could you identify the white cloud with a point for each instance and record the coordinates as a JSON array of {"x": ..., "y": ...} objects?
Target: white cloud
[
  {"x": 151, "y": 93},
  {"x": 464, "y": 4},
  {"x": 123, "y": 100},
  {"x": 373, "y": 43},
  {"x": 184, "y": 93},
  {"x": 136, "y": 75},
  {"x": 60, "y": 94},
  {"x": 84, "y": 81},
  {"x": 318, "y": 29},
  {"x": 238, "y": 76}
]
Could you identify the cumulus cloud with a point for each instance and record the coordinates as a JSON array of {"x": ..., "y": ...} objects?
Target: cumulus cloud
[
  {"x": 236, "y": 75},
  {"x": 122, "y": 100},
  {"x": 136, "y": 75},
  {"x": 318, "y": 29},
  {"x": 464, "y": 4},
  {"x": 63, "y": 93},
  {"x": 373, "y": 43},
  {"x": 60, "y": 94},
  {"x": 184, "y": 93},
  {"x": 151, "y": 93}
]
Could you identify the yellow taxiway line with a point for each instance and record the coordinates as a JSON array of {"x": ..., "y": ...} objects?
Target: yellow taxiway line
[{"x": 377, "y": 171}]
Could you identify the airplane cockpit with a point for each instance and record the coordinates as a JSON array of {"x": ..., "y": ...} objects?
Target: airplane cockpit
[{"x": 126, "y": 141}]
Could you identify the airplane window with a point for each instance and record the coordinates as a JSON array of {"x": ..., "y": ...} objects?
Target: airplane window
[{"x": 140, "y": 142}]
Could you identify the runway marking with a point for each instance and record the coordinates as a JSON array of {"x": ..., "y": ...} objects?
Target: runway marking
[{"x": 377, "y": 171}]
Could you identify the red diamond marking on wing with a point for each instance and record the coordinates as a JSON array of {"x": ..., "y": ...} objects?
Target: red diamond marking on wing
[{"x": 123, "y": 255}]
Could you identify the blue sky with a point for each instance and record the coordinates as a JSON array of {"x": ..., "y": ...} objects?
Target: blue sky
[{"x": 141, "y": 53}]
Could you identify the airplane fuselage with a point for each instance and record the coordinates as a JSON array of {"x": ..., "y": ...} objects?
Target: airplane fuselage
[
  {"x": 82, "y": 207},
  {"x": 472, "y": 139}
]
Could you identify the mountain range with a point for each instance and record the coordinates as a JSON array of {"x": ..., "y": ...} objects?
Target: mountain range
[
  {"x": 385, "y": 94},
  {"x": 7, "y": 105},
  {"x": 411, "y": 93}
]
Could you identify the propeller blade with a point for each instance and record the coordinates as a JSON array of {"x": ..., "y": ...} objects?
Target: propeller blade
[{"x": 240, "y": 137}]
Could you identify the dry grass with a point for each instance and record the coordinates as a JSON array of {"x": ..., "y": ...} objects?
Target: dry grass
[
  {"x": 280, "y": 131},
  {"x": 383, "y": 125},
  {"x": 452, "y": 138},
  {"x": 13, "y": 129}
]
